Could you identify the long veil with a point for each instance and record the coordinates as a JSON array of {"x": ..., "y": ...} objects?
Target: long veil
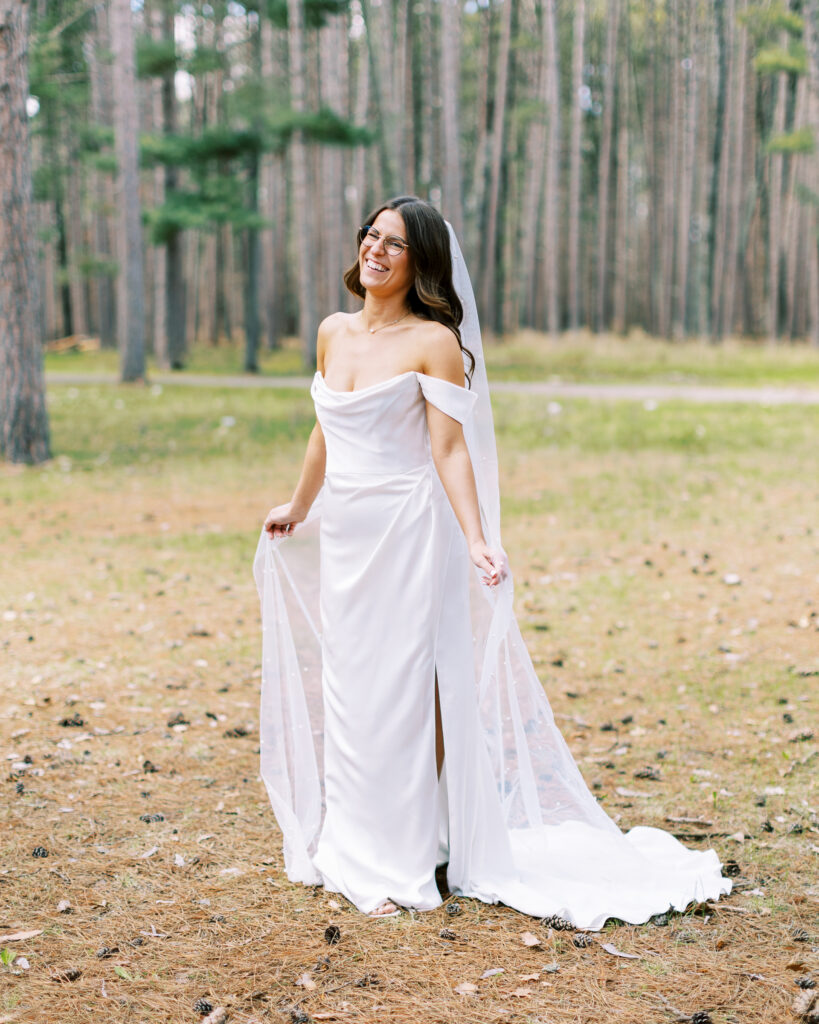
[{"x": 547, "y": 809}]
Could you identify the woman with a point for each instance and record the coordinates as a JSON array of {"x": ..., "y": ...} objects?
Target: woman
[{"x": 438, "y": 742}]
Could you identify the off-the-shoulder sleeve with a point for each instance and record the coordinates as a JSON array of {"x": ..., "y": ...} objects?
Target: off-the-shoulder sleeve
[{"x": 449, "y": 398}]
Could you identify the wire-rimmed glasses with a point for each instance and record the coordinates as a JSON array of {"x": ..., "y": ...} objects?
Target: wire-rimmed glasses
[{"x": 368, "y": 235}]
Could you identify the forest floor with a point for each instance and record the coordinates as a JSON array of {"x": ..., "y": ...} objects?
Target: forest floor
[{"x": 665, "y": 557}]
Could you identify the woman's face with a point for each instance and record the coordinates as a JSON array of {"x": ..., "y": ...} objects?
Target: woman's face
[{"x": 380, "y": 272}]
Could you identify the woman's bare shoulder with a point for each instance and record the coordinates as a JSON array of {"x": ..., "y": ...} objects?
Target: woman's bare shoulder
[
  {"x": 440, "y": 352},
  {"x": 336, "y": 322}
]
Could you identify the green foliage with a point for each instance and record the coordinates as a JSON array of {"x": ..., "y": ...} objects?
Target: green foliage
[
  {"x": 216, "y": 143},
  {"x": 800, "y": 140},
  {"x": 215, "y": 201},
  {"x": 774, "y": 59},
  {"x": 95, "y": 137},
  {"x": 765, "y": 21},
  {"x": 806, "y": 195},
  {"x": 106, "y": 163},
  {"x": 204, "y": 59},
  {"x": 44, "y": 183},
  {"x": 316, "y": 12},
  {"x": 155, "y": 57},
  {"x": 7, "y": 957}
]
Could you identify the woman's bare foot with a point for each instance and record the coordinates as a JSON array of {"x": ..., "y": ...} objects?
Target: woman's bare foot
[{"x": 385, "y": 909}]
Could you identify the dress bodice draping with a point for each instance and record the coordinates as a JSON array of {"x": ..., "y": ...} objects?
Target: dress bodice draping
[{"x": 381, "y": 429}]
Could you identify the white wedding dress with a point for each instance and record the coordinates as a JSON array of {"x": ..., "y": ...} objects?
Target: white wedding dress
[{"x": 356, "y": 628}]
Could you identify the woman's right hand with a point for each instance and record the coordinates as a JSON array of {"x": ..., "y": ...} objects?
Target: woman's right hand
[{"x": 282, "y": 520}]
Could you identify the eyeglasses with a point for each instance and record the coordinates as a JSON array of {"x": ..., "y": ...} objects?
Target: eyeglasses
[{"x": 368, "y": 236}]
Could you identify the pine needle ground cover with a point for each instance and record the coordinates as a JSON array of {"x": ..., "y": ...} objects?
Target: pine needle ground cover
[{"x": 666, "y": 568}]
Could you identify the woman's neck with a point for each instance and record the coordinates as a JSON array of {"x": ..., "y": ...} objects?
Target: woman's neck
[{"x": 380, "y": 310}]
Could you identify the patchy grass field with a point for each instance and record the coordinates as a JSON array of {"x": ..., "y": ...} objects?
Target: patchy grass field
[
  {"x": 667, "y": 571},
  {"x": 579, "y": 356}
]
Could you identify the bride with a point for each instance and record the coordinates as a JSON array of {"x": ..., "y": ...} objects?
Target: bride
[{"x": 403, "y": 669}]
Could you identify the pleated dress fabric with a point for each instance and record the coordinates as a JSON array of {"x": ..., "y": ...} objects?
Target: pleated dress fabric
[{"x": 348, "y": 733}]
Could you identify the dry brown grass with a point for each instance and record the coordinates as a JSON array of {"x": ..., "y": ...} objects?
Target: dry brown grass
[{"x": 135, "y": 590}]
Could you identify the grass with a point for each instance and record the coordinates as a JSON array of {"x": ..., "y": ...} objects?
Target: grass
[
  {"x": 127, "y": 599},
  {"x": 578, "y": 356}
]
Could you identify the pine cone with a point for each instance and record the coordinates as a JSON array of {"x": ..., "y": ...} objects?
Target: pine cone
[
  {"x": 582, "y": 941},
  {"x": 701, "y": 1017},
  {"x": 39, "y": 851},
  {"x": 560, "y": 924},
  {"x": 800, "y": 935},
  {"x": 805, "y": 983},
  {"x": 202, "y": 1006}
]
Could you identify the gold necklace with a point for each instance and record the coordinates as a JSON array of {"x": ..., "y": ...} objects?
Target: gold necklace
[{"x": 381, "y": 327}]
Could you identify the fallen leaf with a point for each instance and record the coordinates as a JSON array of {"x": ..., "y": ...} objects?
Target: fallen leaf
[
  {"x": 528, "y": 939},
  {"x": 64, "y": 907},
  {"x": 122, "y": 973},
  {"x": 528, "y": 977},
  {"x": 552, "y": 968},
  {"x": 609, "y": 948},
  {"x": 521, "y": 993},
  {"x": 306, "y": 982},
  {"x": 20, "y": 936},
  {"x": 466, "y": 988},
  {"x": 796, "y": 965},
  {"x": 491, "y": 972}
]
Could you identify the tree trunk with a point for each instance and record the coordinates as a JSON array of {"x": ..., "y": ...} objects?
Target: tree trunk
[
  {"x": 527, "y": 274},
  {"x": 450, "y": 51},
  {"x": 489, "y": 261},
  {"x": 604, "y": 171},
  {"x": 302, "y": 193},
  {"x": 100, "y": 183},
  {"x": 621, "y": 212},
  {"x": 775, "y": 209},
  {"x": 551, "y": 197},
  {"x": 812, "y": 227},
  {"x": 175, "y": 304},
  {"x": 332, "y": 53},
  {"x": 717, "y": 156},
  {"x": 130, "y": 300},
  {"x": 576, "y": 166},
  {"x": 24, "y": 433},
  {"x": 736, "y": 193}
]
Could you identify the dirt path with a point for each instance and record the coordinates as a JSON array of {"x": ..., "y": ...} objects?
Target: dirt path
[{"x": 549, "y": 389}]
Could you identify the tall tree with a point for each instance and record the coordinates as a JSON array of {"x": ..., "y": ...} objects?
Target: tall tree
[
  {"x": 450, "y": 55},
  {"x": 130, "y": 295},
  {"x": 604, "y": 171},
  {"x": 575, "y": 164},
  {"x": 489, "y": 254},
  {"x": 302, "y": 192},
  {"x": 551, "y": 197},
  {"x": 24, "y": 434}
]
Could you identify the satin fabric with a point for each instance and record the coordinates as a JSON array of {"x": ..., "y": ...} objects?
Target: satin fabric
[{"x": 510, "y": 814}]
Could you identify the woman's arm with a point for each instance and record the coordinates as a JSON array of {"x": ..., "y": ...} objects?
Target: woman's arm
[
  {"x": 451, "y": 455},
  {"x": 282, "y": 518}
]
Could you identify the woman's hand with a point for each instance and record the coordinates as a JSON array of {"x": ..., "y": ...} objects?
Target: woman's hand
[
  {"x": 493, "y": 563},
  {"x": 282, "y": 520}
]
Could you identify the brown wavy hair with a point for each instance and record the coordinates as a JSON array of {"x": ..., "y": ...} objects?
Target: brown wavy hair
[{"x": 432, "y": 295}]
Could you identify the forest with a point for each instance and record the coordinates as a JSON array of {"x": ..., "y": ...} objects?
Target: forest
[{"x": 610, "y": 165}]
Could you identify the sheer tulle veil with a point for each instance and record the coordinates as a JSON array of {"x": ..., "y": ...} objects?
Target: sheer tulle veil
[{"x": 540, "y": 789}]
